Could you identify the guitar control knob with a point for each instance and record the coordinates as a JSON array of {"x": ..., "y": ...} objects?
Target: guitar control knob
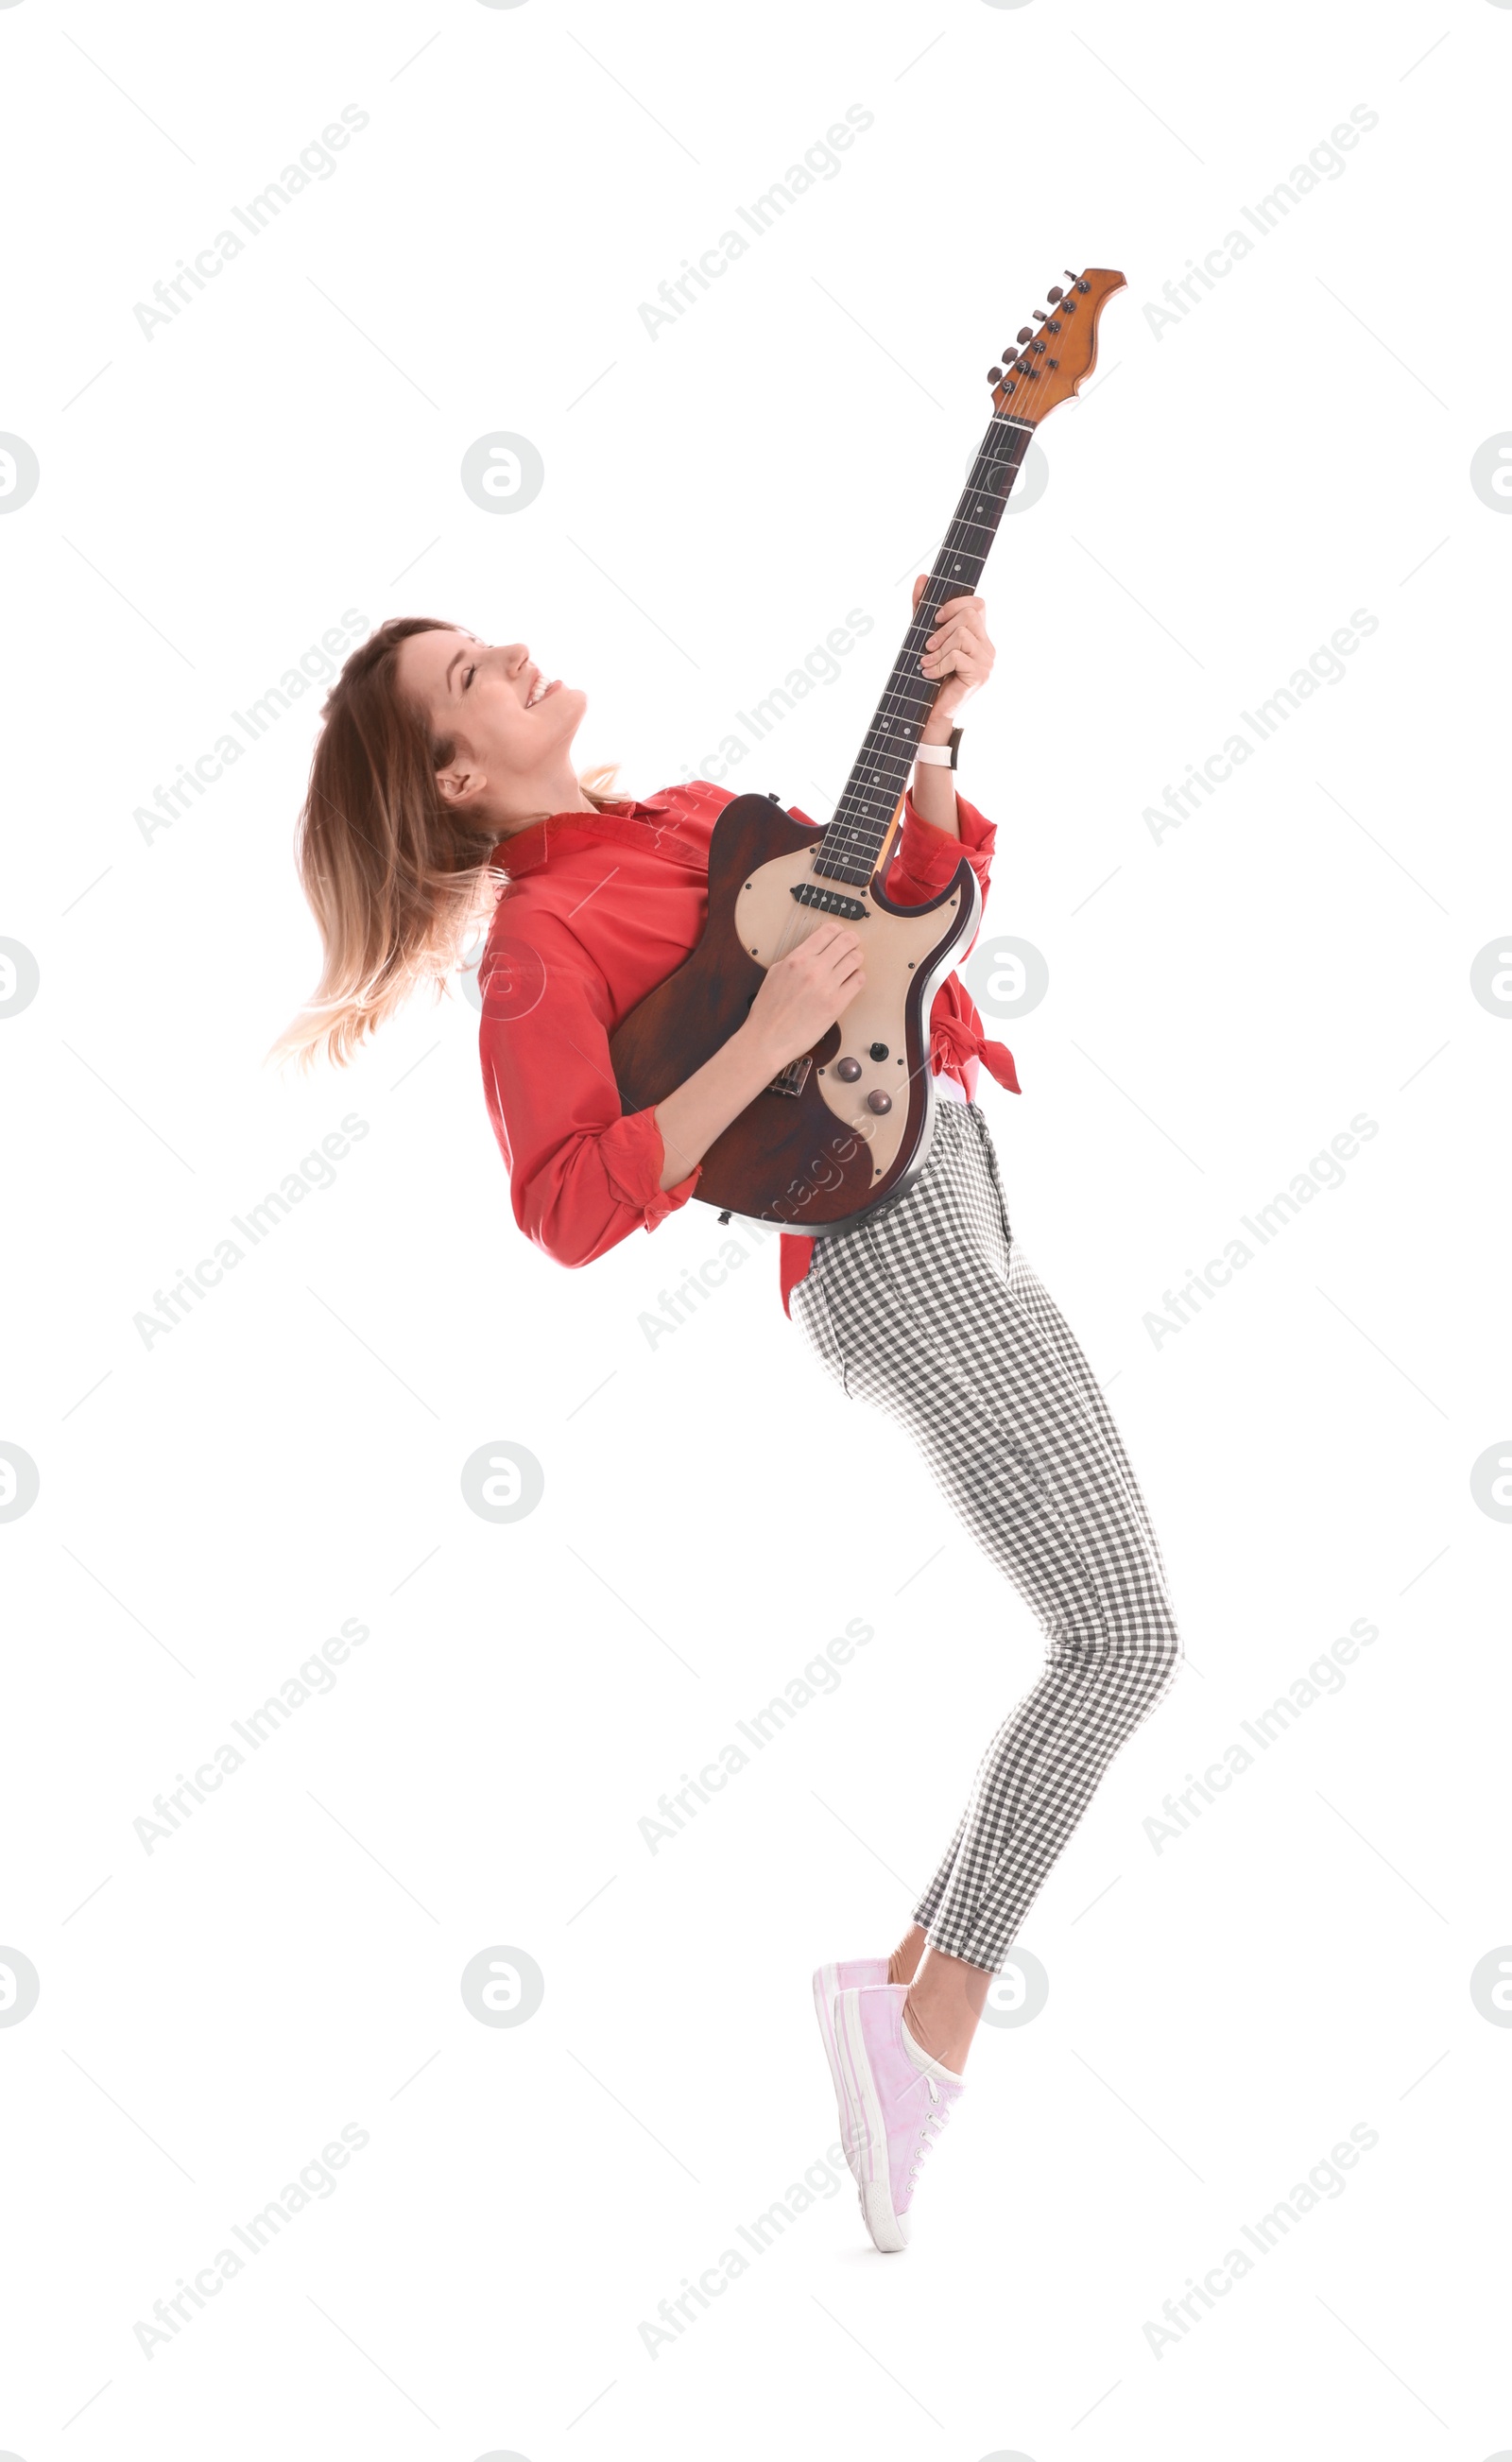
[
  {"x": 879, "y": 1052},
  {"x": 847, "y": 1070},
  {"x": 878, "y": 1101}
]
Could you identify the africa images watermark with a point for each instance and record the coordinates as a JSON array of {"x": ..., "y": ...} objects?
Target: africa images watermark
[
  {"x": 820, "y": 666},
  {"x": 1324, "y": 2180},
  {"x": 316, "y": 1170},
  {"x": 712, "y": 1273},
  {"x": 1325, "y": 161},
  {"x": 316, "y": 162},
  {"x": 761, "y": 2235},
  {"x": 315, "y": 1676},
  {"x": 1325, "y": 1675},
  {"x": 821, "y": 161},
  {"x": 1325, "y": 1170},
  {"x": 317, "y": 665},
  {"x": 316, "y": 2179},
  {"x": 1324, "y": 666},
  {"x": 821, "y": 1675},
  {"x": 673, "y": 1307}
]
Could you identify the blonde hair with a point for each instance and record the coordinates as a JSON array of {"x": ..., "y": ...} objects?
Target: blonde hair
[{"x": 397, "y": 878}]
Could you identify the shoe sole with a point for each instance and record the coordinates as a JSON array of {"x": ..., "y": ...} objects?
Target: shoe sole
[
  {"x": 825, "y": 1993},
  {"x": 862, "y": 2114}
]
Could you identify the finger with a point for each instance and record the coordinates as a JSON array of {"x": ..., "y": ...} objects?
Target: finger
[
  {"x": 919, "y": 587},
  {"x": 965, "y": 647},
  {"x": 959, "y": 655},
  {"x": 964, "y": 653},
  {"x": 968, "y": 621},
  {"x": 955, "y": 636},
  {"x": 955, "y": 609}
]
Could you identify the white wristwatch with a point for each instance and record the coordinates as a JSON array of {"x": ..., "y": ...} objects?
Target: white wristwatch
[{"x": 939, "y": 756}]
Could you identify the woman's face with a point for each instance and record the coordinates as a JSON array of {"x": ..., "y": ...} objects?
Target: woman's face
[{"x": 509, "y": 723}]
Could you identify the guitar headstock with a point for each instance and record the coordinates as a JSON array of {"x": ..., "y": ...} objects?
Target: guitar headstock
[{"x": 1055, "y": 354}]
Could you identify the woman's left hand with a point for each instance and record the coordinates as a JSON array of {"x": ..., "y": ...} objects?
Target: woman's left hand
[{"x": 958, "y": 655}]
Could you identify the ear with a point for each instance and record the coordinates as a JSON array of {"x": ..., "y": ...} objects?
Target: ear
[{"x": 459, "y": 784}]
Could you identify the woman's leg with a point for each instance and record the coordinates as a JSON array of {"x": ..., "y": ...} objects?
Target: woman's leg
[
  {"x": 1025, "y": 1449},
  {"x": 942, "y": 1320}
]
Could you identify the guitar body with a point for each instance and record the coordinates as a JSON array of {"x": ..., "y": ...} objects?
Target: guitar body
[{"x": 816, "y": 1151}]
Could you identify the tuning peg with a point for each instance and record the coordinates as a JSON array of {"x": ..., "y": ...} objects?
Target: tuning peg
[
  {"x": 1025, "y": 333},
  {"x": 994, "y": 375},
  {"x": 1055, "y": 297}
]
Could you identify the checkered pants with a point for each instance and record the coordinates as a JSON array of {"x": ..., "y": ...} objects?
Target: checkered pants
[{"x": 932, "y": 1312}]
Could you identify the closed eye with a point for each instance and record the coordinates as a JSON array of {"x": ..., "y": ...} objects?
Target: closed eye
[{"x": 467, "y": 676}]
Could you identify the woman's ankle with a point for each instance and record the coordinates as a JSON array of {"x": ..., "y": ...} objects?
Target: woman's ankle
[
  {"x": 903, "y": 1964},
  {"x": 949, "y": 2045},
  {"x": 944, "y": 2006}
]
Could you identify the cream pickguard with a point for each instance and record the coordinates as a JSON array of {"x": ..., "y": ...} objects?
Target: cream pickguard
[{"x": 899, "y": 948}]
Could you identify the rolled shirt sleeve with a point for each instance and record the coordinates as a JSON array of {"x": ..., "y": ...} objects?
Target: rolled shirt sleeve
[
  {"x": 583, "y": 1173},
  {"x": 925, "y": 863},
  {"x": 925, "y": 860}
]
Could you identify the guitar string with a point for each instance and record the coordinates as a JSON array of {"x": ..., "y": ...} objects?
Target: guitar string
[
  {"x": 895, "y": 702},
  {"x": 925, "y": 1066},
  {"x": 850, "y": 834}
]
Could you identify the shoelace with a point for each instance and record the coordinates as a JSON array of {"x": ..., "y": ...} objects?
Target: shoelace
[{"x": 930, "y": 2126}]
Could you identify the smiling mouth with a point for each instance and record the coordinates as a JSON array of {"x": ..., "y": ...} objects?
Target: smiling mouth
[{"x": 541, "y": 691}]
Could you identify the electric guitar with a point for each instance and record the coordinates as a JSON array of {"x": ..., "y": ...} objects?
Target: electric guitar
[{"x": 844, "y": 1130}]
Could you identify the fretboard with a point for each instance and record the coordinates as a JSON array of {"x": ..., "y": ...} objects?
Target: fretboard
[{"x": 857, "y": 833}]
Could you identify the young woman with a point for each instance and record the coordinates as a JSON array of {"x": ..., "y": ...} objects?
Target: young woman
[{"x": 442, "y": 790}]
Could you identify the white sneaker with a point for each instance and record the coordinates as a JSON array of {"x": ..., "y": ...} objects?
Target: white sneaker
[
  {"x": 894, "y": 2108},
  {"x": 850, "y": 1974}
]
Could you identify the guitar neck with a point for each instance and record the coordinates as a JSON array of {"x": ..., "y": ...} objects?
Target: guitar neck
[{"x": 854, "y": 839}]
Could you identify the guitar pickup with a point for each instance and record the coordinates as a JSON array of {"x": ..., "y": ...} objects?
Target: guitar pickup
[
  {"x": 792, "y": 1079},
  {"x": 829, "y": 902}
]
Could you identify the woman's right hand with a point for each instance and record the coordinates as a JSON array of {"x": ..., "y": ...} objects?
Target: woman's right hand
[
  {"x": 803, "y": 995},
  {"x": 799, "y": 1000}
]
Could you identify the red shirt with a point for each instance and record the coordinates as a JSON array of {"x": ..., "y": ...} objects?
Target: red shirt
[{"x": 601, "y": 908}]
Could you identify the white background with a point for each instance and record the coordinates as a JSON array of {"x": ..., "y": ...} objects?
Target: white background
[{"x": 1222, "y": 1002}]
